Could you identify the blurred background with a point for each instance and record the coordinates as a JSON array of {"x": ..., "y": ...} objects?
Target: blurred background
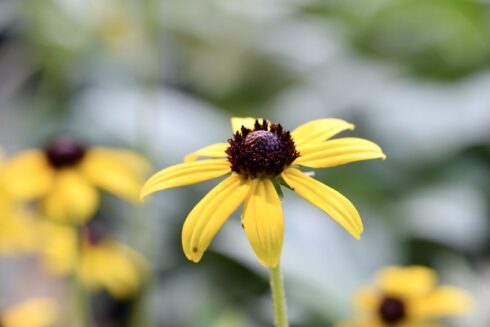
[{"x": 164, "y": 77}]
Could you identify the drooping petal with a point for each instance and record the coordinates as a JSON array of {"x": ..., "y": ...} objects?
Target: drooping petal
[
  {"x": 263, "y": 221},
  {"x": 36, "y": 312},
  {"x": 122, "y": 277},
  {"x": 367, "y": 299},
  {"x": 327, "y": 199},
  {"x": 72, "y": 198},
  {"x": 120, "y": 172},
  {"x": 214, "y": 151},
  {"x": 443, "y": 301},
  {"x": 415, "y": 323},
  {"x": 207, "y": 217},
  {"x": 185, "y": 174},
  {"x": 338, "y": 152},
  {"x": 28, "y": 175},
  {"x": 58, "y": 248},
  {"x": 248, "y": 122},
  {"x": 407, "y": 282},
  {"x": 319, "y": 130},
  {"x": 18, "y": 231},
  {"x": 362, "y": 323}
]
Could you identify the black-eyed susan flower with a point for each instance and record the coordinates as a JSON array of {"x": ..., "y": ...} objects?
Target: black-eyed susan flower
[
  {"x": 99, "y": 261},
  {"x": 36, "y": 312},
  {"x": 65, "y": 176},
  {"x": 258, "y": 158},
  {"x": 408, "y": 297}
]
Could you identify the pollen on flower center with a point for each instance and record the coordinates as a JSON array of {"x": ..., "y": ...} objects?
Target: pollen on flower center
[
  {"x": 264, "y": 151},
  {"x": 392, "y": 310},
  {"x": 262, "y": 142},
  {"x": 64, "y": 152}
]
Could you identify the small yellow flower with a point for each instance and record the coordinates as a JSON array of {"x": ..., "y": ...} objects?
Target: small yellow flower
[
  {"x": 259, "y": 157},
  {"x": 37, "y": 312},
  {"x": 102, "y": 262},
  {"x": 65, "y": 174},
  {"x": 408, "y": 297}
]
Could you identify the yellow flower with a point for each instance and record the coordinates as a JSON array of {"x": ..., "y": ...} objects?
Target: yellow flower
[
  {"x": 259, "y": 157},
  {"x": 65, "y": 174},
  {"x": 408, "y": 297},
  {"x": 101, "y": 264},
  {"x": 37, "y": 312}
]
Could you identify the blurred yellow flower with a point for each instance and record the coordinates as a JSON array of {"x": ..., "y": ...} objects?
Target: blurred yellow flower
[
  {"x": 260, "y": 157},
  {"x": 65, "y": 174},
  {"x": 408, "y": 297},
  {"x": 101, "y": 262},
  {"x": 37, "y": 312}
]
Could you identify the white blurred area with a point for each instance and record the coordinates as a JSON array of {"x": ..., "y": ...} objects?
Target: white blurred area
[{"x": 415, "y": 121}]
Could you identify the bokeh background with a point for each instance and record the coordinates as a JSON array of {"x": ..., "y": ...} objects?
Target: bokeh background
[{"x": 164, "y": 77}]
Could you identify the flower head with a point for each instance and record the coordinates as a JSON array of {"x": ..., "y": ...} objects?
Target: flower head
[
  {"x": 260, "y": 156},
  {"x": 407, "y": 296},
  {"x": 264, "y": 151},
  {"x": 65, "y": 175}
]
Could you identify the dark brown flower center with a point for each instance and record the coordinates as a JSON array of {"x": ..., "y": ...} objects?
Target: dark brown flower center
[
  {"x": 94, "y": 233},
  {"x": 264, "y": 151},
  {"x": 392, "y": 310},
  {"x": 64, "y": 152}
]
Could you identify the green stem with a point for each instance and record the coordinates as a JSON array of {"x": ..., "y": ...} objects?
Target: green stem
[
  {"x": 278, "y": 298},
  {"x": 80, "y": 296}
]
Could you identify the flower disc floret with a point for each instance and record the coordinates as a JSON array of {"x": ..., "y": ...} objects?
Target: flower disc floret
[
  {"x": 392, "y": 310},
  {"x": 64, "y": 152},
  {"x": 262, "y": 151}
]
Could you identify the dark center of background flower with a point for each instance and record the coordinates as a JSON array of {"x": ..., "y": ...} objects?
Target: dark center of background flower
[
  {"x": 64, "y": 152},
  {"x": 94, "y": 233},
  {"x": 392, "y": 310},
  {"x": 263, "y": 151}
]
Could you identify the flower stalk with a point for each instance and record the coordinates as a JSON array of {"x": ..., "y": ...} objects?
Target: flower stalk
[
  {"x": 278, "y": 297},
  {"x": 81, "y": 298}
]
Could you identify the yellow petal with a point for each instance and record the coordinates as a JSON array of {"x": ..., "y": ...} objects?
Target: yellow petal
[
  {"x": 72, "y": 198},
  {"x": 38, "y": 312},
  {"x": 327, "y": 199},
  {"x": 367, "y": 299},
  {"x": 28, "y": 175},
  {"x": 407, "y": 282},
  {"x": 17, "y": 231},
  {"x": 263, "y": 221},
  {"x": 338, "y": 152},
  {"x": 319, "y": 130},
  {"x": 367, "y": 323},
  {"x": 58, "y": 246},
  {"x": 248, "y": 122},
  {"x": 185, "y": 174},
  {"x": 214, "y": 150},
  {"x": 420, "y": 324},
  {"x": 210, "y": 213},
  {"x": 443, "y": 301},
  {"x": 116, "y": 171},
  {"x": 112, "y": 266}
]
